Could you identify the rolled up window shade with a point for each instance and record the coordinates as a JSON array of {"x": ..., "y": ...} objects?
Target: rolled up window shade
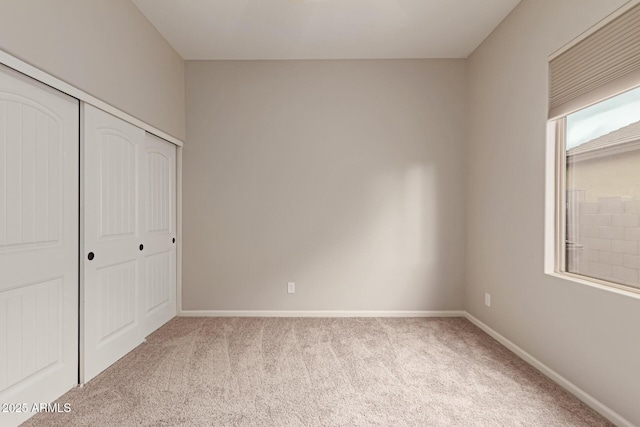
[{"x": 603, "y": 64}]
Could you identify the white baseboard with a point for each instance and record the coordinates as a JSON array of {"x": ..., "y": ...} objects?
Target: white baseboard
[
  {"x": 317, "y": 313},
  {"x": 585, "y": 397}
]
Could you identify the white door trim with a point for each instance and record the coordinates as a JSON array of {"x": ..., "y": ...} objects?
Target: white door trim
[{"x": 31, "y": 71}]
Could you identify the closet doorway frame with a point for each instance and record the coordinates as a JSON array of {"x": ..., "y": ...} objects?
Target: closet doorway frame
[{"x": 35, "y": 73}]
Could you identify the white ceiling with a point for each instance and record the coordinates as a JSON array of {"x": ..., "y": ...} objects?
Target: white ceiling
[{"x": 324, "y": 29}]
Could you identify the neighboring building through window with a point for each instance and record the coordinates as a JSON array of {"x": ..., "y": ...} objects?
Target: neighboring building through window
[{"x": 602, "y": 233}]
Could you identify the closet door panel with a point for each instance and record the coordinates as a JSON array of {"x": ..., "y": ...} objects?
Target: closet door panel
[
  {"x": 159, "y": 286},
  {"x": 39, "y": 170},
  {"x": 114, "y": 216}
]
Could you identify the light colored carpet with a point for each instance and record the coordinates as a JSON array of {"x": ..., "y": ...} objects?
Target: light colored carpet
[{"x": 320, "y": 372}]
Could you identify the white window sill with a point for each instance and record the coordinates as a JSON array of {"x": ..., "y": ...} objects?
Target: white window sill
[{"x": 595, "y": 284}]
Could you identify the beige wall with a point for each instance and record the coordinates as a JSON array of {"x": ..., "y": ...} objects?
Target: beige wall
[
  {"x": 343, "y": 176},
  {"x": 589, "y": 336},
  {"x": 104, "y": 47}
]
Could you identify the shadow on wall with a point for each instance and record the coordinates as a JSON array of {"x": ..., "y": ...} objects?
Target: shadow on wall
[
  {"x": 381, "y": 239},
  {"x": 350, "y": 188}
]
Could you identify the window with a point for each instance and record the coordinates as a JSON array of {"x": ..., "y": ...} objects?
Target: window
[
  {"x": 595, "y": 166},
  {"x": 602, "y": 190}
]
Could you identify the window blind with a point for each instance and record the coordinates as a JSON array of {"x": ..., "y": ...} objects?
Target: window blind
[{"x": 605, "y": 63}]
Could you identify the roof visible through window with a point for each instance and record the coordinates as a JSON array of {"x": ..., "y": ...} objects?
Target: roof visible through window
[{"x": 602, "y": 118}]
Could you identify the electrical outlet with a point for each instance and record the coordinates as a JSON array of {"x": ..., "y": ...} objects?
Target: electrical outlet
[
  {"x": 487, "y": 299},
  {"x": 291, "y": 287}
]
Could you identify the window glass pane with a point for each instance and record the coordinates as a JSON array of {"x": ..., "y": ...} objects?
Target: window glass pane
[{"x": 603, "y": 190}]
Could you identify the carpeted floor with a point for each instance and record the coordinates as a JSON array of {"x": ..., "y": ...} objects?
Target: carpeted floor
[{"x": 320, "y": 372}]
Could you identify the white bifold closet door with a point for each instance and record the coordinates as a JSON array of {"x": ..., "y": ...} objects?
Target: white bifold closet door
[
  {"x": 39, "y": 172},
  {"x": 129, "y": 238}
]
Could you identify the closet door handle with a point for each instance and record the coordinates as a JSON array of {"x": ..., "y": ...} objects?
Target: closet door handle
[
  {"x": 141, "y": 246},
  {"x": 91, "y": 256},
  {"x": 173, "y": 240}
]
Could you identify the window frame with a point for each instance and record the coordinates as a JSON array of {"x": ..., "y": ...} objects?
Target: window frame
[{"x": 556, "y": 211}]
